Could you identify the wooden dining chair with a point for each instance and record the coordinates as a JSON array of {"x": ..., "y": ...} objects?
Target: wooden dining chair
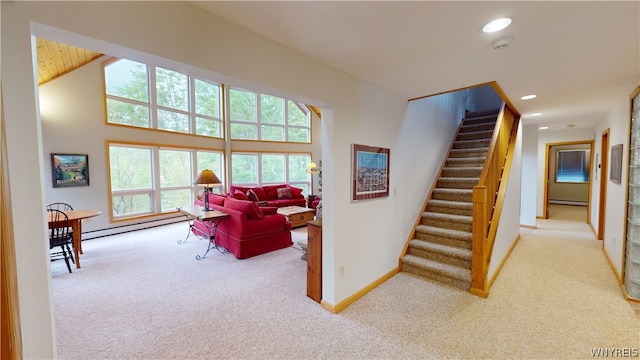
[
  {"x": 59, "y": 206},
  {"x": 60, "y": 237},
  {"x": 62, "y": 207}
]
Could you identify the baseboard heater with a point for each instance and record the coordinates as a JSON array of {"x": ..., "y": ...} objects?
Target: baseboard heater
[
  {"x": 568, "y": 202},
  {"x": 115, "y": 230}
]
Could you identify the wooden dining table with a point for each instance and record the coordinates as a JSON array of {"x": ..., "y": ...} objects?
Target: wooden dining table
[{"x": 75, "y": 220}]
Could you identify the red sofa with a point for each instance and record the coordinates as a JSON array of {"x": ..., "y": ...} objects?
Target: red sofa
[
  {"x": 250, "y": 230},
  {"x": 271, "y": 195}
]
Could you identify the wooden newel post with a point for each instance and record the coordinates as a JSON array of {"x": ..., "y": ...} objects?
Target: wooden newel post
[{"x": 478, "y": 256}]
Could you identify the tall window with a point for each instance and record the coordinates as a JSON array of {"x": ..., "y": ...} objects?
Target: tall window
[
  {"x": 271, "y": 168},
  {"x": 149, "y": 180},
  {"x": 572, "y": 166},
  {"x": 256, "y": 116},
  {"x": 153, "y": 97}
]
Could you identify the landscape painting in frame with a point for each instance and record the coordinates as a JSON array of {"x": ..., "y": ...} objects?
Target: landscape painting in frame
[
  {"x": 370, "y": 172},
  {"x": 69, "y": 170}
]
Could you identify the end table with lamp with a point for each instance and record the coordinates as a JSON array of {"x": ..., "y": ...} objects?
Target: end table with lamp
[{"x": 209, "y": 180}]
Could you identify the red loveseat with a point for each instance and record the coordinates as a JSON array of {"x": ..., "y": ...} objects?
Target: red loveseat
[
  {"x": 250, "y": 230},
  {"x": 280, "y": 195}
]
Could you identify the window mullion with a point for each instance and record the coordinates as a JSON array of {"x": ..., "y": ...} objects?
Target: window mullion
[
  {"x": 153, "y": 100},
  {"x": 157, "y": 190}
]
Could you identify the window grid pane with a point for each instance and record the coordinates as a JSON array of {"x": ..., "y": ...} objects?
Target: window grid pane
[
  {"x": 130, "y": 205},
  {"x": 242, "y": 105},
  {"x": 126, "y": 113},
  {"x": 173, "y": 121},
  {"x": 244, "y": 169},
  {"x": 127, "y": 79},
  {"x": 207, "y": 98},
  {"x": 175, "y": 168},
  {"x": 273, "y": 168},
  {"x": 172, "y": 89}
]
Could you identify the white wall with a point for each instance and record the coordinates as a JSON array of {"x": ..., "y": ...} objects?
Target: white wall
[
  {"x": 549, "y": 137},
  {"x": 509, "y": 225},
  {"x": 528, "y": 194},
  {"x": 421, "y": 147},
  {"x": 366, "y": 237},
  {"x": 483, "y": 98},
  {"x": 617, "y": 121}
]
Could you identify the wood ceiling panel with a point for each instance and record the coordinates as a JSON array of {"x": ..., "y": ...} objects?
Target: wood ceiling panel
[{"x": 56, "y": 59}]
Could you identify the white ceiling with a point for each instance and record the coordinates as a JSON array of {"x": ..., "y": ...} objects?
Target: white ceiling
[{"x": 580, "y": 57}]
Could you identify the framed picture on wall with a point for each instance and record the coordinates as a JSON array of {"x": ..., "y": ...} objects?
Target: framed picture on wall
[
  {"x": 369, "y": 172},
  {"x": 616, "y": 164},
  {"x": 68, "y": 170}
]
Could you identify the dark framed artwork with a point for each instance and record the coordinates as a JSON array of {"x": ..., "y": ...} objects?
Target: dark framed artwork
[
  {"x": 69, "y": 170},
  {"x": 370, "y": 172},
  {"x": 616, "y": 164}
]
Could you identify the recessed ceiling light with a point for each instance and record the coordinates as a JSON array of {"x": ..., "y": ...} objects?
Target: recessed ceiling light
[
  {"x": 543, "y": 127},
  {"x": 535, "y": 114},
  {"x": 497, "y": 25},
  {"x": 529, "y": 97}
]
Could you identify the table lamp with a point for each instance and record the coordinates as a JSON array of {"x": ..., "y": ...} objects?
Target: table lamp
[
  {"x": 208, "y": 179},
  {"x": 312, "y": 168}
]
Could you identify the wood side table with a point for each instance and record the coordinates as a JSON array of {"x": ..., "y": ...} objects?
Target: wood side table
[{"x": 210, "y": 218}]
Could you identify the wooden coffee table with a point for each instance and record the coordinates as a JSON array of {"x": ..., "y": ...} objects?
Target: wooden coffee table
[{"x": 298, "y": 215}]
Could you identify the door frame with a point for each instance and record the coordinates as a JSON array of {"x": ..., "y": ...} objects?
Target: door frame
[
  {"x": 548, "y": 173},
  {"x": 604, "y": 170}
]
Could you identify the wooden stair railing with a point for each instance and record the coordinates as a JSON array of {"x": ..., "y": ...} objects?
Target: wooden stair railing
[{"x": 487, "y": 203}]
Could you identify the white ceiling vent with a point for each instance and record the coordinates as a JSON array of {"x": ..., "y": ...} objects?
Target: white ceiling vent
[{"x": 502, "y": 43}]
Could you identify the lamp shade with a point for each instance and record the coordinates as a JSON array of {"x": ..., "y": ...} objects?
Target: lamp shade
[
  {"x": 207, "y": 178},
  {"x": 312, "y": 168}
]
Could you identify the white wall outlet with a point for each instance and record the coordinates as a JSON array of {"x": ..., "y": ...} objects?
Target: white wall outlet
[{"x": 341, "y": 271}]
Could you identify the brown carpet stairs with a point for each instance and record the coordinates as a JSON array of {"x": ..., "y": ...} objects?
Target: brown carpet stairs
[{"x": 441, "y": 248}]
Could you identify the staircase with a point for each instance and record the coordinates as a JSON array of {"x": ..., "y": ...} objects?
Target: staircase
[{"x": 441, "y": 248}]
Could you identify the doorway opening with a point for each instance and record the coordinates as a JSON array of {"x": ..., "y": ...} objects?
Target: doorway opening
[{"x": 568, "y": 180}]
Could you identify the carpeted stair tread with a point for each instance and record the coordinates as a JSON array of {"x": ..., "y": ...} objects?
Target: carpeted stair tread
[
  {"x": 467, "y": 144},
  {"x": 475, "y": 135},
  {"x": 448, "y": 233},
  {"x": 477, "y": 127},
  {"x": 441, "y": 249},
  {"x": 444, "y": 273},
  {"x": 450, "y": 204},
  {"x": 469, "y": 152},
  {"x": 447, "y": 221},
  {"x": 450, "y": 207},
  {"x": 462, "y": 172},
  {"x": 453, "y": 194},
  {"x": 457, "y": 182},
  {"x": 447, "y": 217},
  {"x": 465, "y": 161}
]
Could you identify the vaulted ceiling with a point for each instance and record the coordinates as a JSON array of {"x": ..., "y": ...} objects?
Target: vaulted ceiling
[
  {"x": 579, "y": 57},
  {"x": 56, "y": 59}
]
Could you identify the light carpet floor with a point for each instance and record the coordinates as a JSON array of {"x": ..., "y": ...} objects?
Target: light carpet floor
[{"x": 143, "y": 296}]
